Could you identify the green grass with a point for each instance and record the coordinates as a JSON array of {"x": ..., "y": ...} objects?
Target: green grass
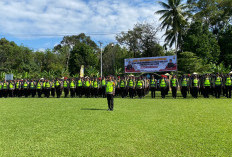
[{"x": 138, "y": 127}]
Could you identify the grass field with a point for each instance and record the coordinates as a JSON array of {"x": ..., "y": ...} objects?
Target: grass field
[{"x": 138, "y": 127}]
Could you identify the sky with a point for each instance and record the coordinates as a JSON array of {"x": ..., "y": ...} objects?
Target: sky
[{"x": 41, "y": 24}]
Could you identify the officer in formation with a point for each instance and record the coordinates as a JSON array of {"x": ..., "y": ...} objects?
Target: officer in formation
[{"x": 205, "y": 85}]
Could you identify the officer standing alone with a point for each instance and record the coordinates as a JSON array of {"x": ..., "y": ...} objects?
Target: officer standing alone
[{"x": 110, "y": 89}]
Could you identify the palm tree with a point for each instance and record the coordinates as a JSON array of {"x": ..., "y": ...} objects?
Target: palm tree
[{"x": 174, "y": 19}]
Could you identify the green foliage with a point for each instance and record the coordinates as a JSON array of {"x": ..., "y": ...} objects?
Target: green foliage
[
  {"x": 82, "y": 54},
  {"x": 225, "y": 42},
  {"x": 92, "y": 71},
  {"x": 142, "y": 41},
  {"x": 188, "y": 62},
  {"x": 174, "y": 20},
  {"x": 202, "y": 42}
]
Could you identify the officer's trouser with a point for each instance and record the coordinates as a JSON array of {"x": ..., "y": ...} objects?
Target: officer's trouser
[
  {"x": 103, "y": 91},
  {"x": 163, "y": 92},
  {"x": 95, "y": 92},
  {"x": 87, "y": 92},
  {"x": 153, "y": 92},
  {"x": 58, "y": 91},
  {"x": 39, "y": 92},
  {"x": 228, "y": 91},
  {"x": 122, "y": 89},
  {"x": 47, "y": 92},
  {"x": 33, "y": 92},
  {"x": 174, "y": 90},
  {"x": 72, "y": 92},
  {"x": 11, "y": 92},
  {"x": 195, "y": 92},
  {"x": 53, "y": 90},
  {"x": 184, "y": 91},
  {"x": 131, "y": 93},
  {"x": 0, "y": 93},
  {"x": 206, "y": 91},
  {"x": 66, "y": 92},
  {"x": 140, "y": 92},
  {"x": 110, "y": 100},
  {"x": 218, "y": 91}
]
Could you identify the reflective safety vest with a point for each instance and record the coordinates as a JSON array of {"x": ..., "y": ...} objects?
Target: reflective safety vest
[
  {"x": 79, "y": 83},
  {"x": 207, "y": 82},
  {"x": 11, "y": 86},
  {"x": 95, "y": 84},
  {"x": 57, "y": 83},
  {"x": 44, "y": 84},
  {"x": 65, "y": 84},
  {"x": 87, "y": 84},
  {"x": 4, "y": 85},
  {"x": 0, "y": 86},
  {"x": 109, "y": 87},
  {"x": 32, "y": 85},
  {"x": 38, "y": 85},
  {"x": 122, "y": 84},
  {"x": 153, "y": 83},
  {"x": 53, "y": 85},
  {"x": 163, "y": 83},
  {"x": 184, "y": 82},
  {"x": 103, "y": 82},
  {"x": 218, "y": 81},
  {"x": 131, "y": 83},
  {"x": 139, "y": 84},
  {"x": 228, "y": 81},
  {"x": 25, "y": 85},
  {"x": 48, "y": 85},
  {"x": 173, "y": 82},
  {"x": 72, "y": 85},
  {"x": 17, "y": 85},
  {"x": 195, "y": 83}
]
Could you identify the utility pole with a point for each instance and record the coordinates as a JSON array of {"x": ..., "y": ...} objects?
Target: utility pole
[{"x": 101, "y": 56}]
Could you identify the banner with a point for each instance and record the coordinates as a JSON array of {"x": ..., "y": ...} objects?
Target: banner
[
  {"x": 82, "y": 71},
  {"x": 9, "y": 77},
  {"x": 151, "y": 64}
]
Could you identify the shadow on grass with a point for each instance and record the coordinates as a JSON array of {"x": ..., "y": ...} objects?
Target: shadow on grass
[{"x": 94, "y": 109}]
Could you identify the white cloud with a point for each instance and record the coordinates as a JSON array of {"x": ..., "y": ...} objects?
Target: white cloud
[{"x": 58, "y": 17}]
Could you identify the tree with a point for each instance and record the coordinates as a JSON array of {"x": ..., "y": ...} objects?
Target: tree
[
  {"x": 214, "y": 13},
  {"x": 82, "y": 54},
  {"x": 142, "y": 41},
  {"x": 174, "y": 20},
  {"x": 113, "y": 59},
  {"x": 68, "y": 43},
  {"x": 188, "y": 62},
  {"x": 225, "y": 42},
  {"x": 201, "y": 42}
]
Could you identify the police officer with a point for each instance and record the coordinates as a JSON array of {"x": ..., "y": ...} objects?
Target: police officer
[
  {"x": 11, "y": 89},
  {"x": 218, "y": 86},
  {"x": 1, "y": 85},
  {"x": 163, "y": 86},
  {"x": 131, "y": 87},
  {"x": 58, "y": 88},
  {"x": 47, "y": 88},
  {"x": 87, "y": 87},
  {"x": 39, "y": 87},
  {"x": 195, "y": 86},
  {"x": 153, "y": 86},
  {"x": 53, "y": 88},
  {"x": 32, "y": 88},
  {"x": 174, "y": 86},
  {"x": 66, "y": 88},
  {"x": 207, "y": 86},
  {"x": 72, "y": 88},
  {"x": 25, "y": 88},
  {"x": 110, "y": 90},
  {"x": 228, "y": 86},
  {"x": 122, "y": 87},
  {"x": 103, "y": 87},
  {"x": 44, "y": 87},
  {"x": 95, "y": 87},
  {"x": 79, "y": 89},
  {"x": 18, "y": 88},
  {"x": 5, "y": 89},
  {"x": 139, "y": 87},
  {"x": 184, "y": 86}
]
